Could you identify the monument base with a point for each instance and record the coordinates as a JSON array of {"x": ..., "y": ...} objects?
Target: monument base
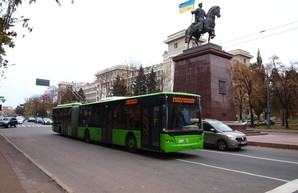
[{"x": 206, "y": 70}]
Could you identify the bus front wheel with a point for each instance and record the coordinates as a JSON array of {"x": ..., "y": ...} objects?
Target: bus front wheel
[{"x": 131, "y": 143}]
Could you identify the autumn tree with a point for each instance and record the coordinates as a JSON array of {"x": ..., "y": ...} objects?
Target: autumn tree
[
  {"x": 65, "y": 96},
  {"x": 30, "y": 106},
  {"x": 259, "y": 86},
  {"x": 284, "y": 84},
  {"x": 239, "y": 95},
  {"x": 39, "y": 105},
  {"x": 248, "y": 88}
]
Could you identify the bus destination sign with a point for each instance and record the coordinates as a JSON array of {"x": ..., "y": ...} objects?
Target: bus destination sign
[
  {"x": 131, "y": 101},
  {"x": 183, "y": 100}
]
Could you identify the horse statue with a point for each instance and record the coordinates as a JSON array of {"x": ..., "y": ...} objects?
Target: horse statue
[{"x": 208, "y": 26}]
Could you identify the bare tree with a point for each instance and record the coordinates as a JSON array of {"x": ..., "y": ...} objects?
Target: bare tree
[{"x": 284, "y": 84}]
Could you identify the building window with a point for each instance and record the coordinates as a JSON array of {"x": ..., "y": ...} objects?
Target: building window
[
  {"x": 175, "y": 45},
  {"x": 244, "y": 61},
  {"x": 222, "y": 87}
]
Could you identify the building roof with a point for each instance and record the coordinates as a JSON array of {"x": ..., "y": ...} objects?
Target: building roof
[{"x": 240, "y": 52}]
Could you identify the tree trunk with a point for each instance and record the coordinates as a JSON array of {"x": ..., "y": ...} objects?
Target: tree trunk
[
  {"x": 251, "y": 116},
  {"x": 287, "y": 115}
]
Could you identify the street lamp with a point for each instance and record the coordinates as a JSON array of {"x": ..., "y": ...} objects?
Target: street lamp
[{"x": 268, "y": 100}]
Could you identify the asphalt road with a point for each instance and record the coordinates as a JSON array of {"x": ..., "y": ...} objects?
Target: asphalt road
[{"x": 95, "y": 168}]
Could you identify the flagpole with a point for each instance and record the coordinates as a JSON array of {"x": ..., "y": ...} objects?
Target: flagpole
[{"x": 192, "y": 14}]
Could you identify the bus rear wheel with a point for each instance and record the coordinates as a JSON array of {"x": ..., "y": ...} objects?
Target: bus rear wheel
[
  {"x": 87, "y": 136},
  {"x": 131, "y": 143}
]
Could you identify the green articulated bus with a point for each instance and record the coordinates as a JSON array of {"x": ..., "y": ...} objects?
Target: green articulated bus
[{"x": 162, "y": 122}]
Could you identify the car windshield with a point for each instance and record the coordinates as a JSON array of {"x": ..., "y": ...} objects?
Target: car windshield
[
  {"x": 221, "y": 127},
  {"x": 183, "y": 117}
]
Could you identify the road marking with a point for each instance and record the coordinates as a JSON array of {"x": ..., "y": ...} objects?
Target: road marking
[
  {"x": 28, "y": 126},
  {"x": 289, "y": 187},
  {"x": 231, "y": 170},
  {"x": 255, "y": 157}
]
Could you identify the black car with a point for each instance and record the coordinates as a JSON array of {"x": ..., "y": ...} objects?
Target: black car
[
  {"x": 9, "y": 122},
  {"x": 38, "y": 120}
]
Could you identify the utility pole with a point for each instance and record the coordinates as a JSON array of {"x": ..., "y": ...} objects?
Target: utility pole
[{"x": 268, "y": 101}]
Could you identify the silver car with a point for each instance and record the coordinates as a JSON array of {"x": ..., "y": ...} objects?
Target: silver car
[{"x": 223, "y": 137}]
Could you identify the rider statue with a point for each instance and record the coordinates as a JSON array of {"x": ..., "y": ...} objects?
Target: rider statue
[{"x": 199, "y": 17}]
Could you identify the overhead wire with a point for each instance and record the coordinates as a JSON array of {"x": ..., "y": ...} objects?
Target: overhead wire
[
  {"x": 261, "y": 37},
  {"x": 262, "y": 31}
]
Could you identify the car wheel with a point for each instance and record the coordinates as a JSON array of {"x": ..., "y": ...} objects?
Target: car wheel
[{"x": 222, "y": 145}]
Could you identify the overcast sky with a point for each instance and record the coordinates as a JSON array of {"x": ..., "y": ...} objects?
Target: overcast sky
[{"x": 74, "y": 42}]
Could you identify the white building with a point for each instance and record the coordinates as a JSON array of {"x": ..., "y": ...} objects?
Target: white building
[
  {"x": 240, "y": 56},
  {"x": 102, "y": 86}
]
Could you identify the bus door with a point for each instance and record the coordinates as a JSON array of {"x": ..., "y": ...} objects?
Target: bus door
[
  {"x": 66, "y": 121},
  {"x": 107, "y": 129},
  {"x": 156, "y": 127},
  {"x": 150, "y": 127},
  {"x": 74, "y": 121}
]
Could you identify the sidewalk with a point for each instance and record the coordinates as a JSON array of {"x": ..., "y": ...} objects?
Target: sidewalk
[
  {"x": 9, "y": 182},
  {"x": 20, "y": 175},
  {"x": 275, "y": 140}
]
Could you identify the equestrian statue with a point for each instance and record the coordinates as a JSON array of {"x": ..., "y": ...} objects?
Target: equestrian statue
[{"x": 203, "y": 23}]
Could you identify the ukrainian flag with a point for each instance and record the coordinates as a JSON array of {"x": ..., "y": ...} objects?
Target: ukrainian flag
[{"x": 188, "y": 5}]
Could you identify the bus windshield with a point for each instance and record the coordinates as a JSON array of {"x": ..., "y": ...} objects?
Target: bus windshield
[{"x": 183, "y": 117}]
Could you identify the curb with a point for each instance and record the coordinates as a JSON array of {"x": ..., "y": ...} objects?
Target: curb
[
  {"x": 273, "y": 145},
  {"x": 55, "y": 179}
]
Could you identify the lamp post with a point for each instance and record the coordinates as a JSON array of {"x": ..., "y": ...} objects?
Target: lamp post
[{"x": 268, "y": 101}]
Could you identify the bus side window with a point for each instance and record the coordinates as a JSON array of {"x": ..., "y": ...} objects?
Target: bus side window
[
  {"x": 117, "y": 118},
  {"x": 132, "y": 117}
]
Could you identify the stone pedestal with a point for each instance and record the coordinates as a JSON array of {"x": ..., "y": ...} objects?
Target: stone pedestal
[{"x": 206, "y": 70}]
